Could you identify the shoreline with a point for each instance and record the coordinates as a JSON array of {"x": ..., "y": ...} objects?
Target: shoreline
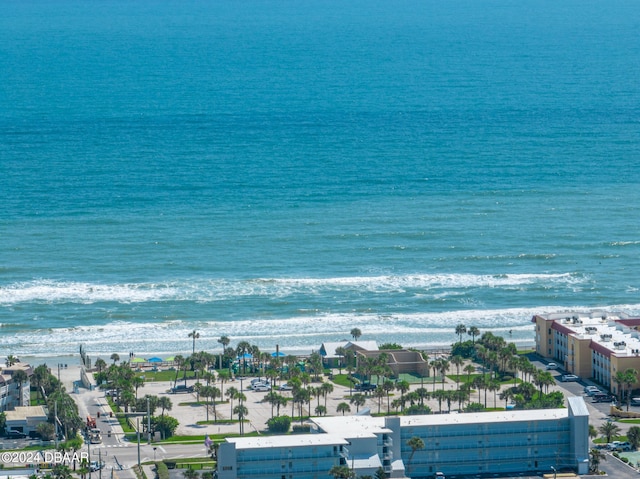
[{"x": 53, "y": 360}]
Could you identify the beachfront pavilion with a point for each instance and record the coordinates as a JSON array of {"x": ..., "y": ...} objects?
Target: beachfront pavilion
[
  {"x": 503, "y": 442},
  {"x": 592, "y": 344},
  {"x": 330, "y": 356}
]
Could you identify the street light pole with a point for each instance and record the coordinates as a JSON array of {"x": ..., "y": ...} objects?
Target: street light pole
[
  {"x": 148, "y": 422},
  {"x": 138, "y": 431}
]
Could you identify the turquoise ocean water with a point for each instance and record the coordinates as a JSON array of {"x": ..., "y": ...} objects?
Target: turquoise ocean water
[{"x": 280, "y": 172}]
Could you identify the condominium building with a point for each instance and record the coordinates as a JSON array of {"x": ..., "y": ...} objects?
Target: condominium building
[
  {"x": 455, "y": 444},
  {"x": 14, "y": 393},
  {"x": 590, "y": 344}
]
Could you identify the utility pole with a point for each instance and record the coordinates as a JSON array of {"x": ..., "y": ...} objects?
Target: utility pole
[
  {"x": 148, "y": 422},
  {"x": 138, "y": 430},
  {"x": 55, "y": 421},
  {"x": 99, "y": 464}
]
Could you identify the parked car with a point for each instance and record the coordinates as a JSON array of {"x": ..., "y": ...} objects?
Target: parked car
[
  {"x": 365, "y": 387},
  {"x": 635, "y": 401},
  {"x": 285, "y": 387},
  {"x": 619, "y": 446},
  {"x": 569, "y": 377},
  {"x": 602, "y": 397},
  {"x": 623, "y": 446},
  {"x": 262, "y": 387},
  {"x": 591, "y": 390},
  {"x": 552, "y": 366},
  {"x": 181, "y": 388},
  {"x": 96, "y": 466},
  {"x": 15, "y": 434}
]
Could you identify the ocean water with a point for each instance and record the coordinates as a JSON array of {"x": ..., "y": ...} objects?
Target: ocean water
[{"x": 281, "y": 172}]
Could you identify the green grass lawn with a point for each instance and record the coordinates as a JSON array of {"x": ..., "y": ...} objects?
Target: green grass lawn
[{"x": 160, "y": 376}]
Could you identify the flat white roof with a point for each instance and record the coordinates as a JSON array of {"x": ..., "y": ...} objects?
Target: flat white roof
[
  {"x": 294, "y": 440},
  {"x": 611, "y": 335},
  {"x": 22, "y": 413},
  {"x": 485, "y": 417},
  {"x": 352, "y": 427}
]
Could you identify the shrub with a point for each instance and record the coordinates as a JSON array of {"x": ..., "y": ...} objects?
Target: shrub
[
  {"x": 301, "y": 428},
  {"x": 279, "y": 424},
  {"x": 162, "y": 470}
]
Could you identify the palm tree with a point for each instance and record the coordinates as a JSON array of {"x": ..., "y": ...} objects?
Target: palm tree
[
  {"x": 242, "y": 349},
  {"x": 596, "y": 457},
  {"x": 241, "y": 411},
  {"x": 379, "y": 393},
  {"x": 19, "y": 377},
  {"x": 231, "y": 394},
  {"x": 473, "y": 332},
  {"x": 388, "y": 387},
  {"x": 165, "y": 404},
  {"x": 460, "y": 330},
  {"x": 137, "y": 382},
  {"x": 435, "y": 365},
  {"x": 224, "y": 340},
  {"x": 342, "y": 472},
  {"x": 115, "y": 357},
  {"x": 11, "y": 360},
  {"x": 457, "y": 361},
  {"x": 609, "y": 430},
  {"x": 341, "y": 352},
  {"x": 179, "y": 363},
  {"x": 630, "y": 378},
  {"x": 403, "y": 387},
  {"x": 416, "y": 444},
  {"x": 343, "y": 407},
  {"x": 326, "y": 388},
  {"x": 195, "y": 335},
  {"x": 359, "y": 400},
  {"x": 355, "y": 333},
  {"x": 444, "y": 367},
  {"x": 320, "y": 410},
  {"x": 100, "y": 365}
]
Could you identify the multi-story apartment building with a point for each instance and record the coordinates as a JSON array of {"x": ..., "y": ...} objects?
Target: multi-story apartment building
[
  {"x": 14, "y": 393},
  {"x": 506, "y": 442},
  {"x": 593, "y": 345}
]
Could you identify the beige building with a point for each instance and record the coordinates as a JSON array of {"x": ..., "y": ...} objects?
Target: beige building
[
  {"x": 26, "y": 418},
  {"x": 593, "y": 345}
]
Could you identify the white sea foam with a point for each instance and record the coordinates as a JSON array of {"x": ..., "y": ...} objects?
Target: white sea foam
[
  {"x": 303, "y": 333},
  {"x": 50, "y": 291}
]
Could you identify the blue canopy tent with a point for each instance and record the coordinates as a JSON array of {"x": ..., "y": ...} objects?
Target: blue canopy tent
[{"x": 155, "y": 359}]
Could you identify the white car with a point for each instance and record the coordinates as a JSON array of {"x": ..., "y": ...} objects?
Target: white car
[
  {"x": 285, "y": 387},
  {"x": 569, "y": 377},
  {"x": 552, "y": 366},
  {"x": 262, "y": 387}
]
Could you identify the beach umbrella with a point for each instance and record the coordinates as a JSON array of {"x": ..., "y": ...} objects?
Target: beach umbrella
[
  {"x": 246, "y": 356},
  {"x": 155, "y": 359},
  {"x": 137, "y": 360},
  {"x": 170, "y": 358},
  {"x": 279, "y": 354}
]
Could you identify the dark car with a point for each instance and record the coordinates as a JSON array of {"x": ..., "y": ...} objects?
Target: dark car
[
  {"x": 181, "y": 388},
  {"x": 13, "y": 434},
  {"x": 365, "y": 387},
  {"x": 602, "y": 397}
]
